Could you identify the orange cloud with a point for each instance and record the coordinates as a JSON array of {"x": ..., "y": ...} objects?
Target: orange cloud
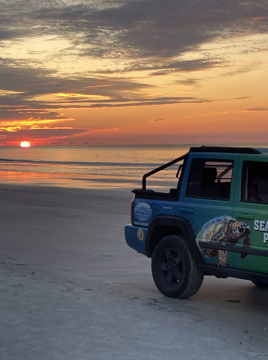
[
  {"x": 256, "y": 109},
  {"x": 92, "y": 97},
  {"x": 154, "y": 120},
  {"x": 16, "y": 125}
]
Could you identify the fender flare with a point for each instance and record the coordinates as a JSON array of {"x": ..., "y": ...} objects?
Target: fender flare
[{"x": 182, "y": 225}]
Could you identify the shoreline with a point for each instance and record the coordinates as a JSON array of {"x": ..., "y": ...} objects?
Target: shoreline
[{"x": 77, "y": 181}]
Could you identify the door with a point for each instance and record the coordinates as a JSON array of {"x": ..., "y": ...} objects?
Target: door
[
  {"x": 251, "y": 207},
  {"x": 206, "y": 200}
]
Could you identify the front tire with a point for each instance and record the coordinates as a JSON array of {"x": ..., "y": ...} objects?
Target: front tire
[{"x": 174, "y": 269}]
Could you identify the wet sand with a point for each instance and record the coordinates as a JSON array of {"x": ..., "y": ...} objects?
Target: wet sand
[{"x": 72, "y": 289}]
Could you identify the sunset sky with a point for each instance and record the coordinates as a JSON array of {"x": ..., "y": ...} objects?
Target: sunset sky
[{"x": 133, "y": 71}]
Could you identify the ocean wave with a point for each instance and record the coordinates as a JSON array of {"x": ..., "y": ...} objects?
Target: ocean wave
[{"x": 79, "y": 163}]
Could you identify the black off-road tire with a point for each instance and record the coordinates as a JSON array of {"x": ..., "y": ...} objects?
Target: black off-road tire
[
  {"x": 174, "y": 269},
  {"x": 260, "y": 284}
]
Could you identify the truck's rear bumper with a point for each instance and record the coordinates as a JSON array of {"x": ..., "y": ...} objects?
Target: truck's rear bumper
[{"x": 135, "y": 237}]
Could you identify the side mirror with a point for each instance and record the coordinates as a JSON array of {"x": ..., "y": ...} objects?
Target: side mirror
[{"x": 179, "y": 171}]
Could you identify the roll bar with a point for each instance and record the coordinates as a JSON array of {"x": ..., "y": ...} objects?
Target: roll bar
[{"x": 162, "y": 167}]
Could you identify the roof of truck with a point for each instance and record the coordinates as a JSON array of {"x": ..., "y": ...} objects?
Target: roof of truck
[{"x": 233, "y": 150}]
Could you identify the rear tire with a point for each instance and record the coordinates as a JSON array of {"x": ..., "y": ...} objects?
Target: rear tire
[
  {"x": 174, "y": 269},
  {"x": 260, "y": 284}
]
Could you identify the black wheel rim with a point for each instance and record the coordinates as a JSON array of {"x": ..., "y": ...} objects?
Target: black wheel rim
[{"x": 171, "y": 266}]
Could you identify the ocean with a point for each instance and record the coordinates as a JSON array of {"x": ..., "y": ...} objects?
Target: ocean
[
  {"x": 88, "y": 166},
  {"x": 91, "y": 166}
]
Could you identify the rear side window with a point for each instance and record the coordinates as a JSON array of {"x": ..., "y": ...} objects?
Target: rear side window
[
  {"x": 255, "y": 182},
  {"x": 210, "y": 179}
]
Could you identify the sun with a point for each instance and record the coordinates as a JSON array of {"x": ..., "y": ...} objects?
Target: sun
[{"x": 25, "y": 144}]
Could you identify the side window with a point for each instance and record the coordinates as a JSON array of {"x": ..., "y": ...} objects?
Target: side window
[
  {"x": 255, "y": 182},
  {"x": 210, "y": 179}
]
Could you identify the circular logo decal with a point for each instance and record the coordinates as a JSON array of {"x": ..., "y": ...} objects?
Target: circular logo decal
[
  {"x": 140, "y": 234},
  {"x": 142, "y": 211}
]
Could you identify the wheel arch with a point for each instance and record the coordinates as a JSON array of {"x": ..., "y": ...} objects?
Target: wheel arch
[{"x": 162, "y": 226}]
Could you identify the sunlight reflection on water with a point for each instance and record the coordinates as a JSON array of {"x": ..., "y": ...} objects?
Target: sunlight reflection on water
[{"x": 94, "y": 166}]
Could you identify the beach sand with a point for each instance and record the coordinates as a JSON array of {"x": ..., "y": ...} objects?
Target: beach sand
[{"x": 72, "y": 289}]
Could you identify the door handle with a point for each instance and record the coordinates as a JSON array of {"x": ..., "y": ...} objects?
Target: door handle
[
  {"x": 245, "y": 216},
  {"x": 187, "y": 210}
]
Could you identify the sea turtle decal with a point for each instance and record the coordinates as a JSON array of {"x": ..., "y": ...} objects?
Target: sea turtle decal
[{"x": 223, "y": 229}]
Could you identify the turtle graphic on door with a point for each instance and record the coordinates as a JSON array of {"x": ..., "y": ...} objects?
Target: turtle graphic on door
[{"x": 223, "y": 229}]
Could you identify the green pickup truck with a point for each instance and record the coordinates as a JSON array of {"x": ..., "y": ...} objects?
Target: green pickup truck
[{"x": 213, "y": 222}]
